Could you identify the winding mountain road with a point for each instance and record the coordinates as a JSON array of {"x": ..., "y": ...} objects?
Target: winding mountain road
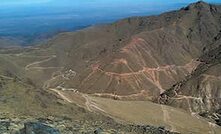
[{"x": 34, "y": 64}]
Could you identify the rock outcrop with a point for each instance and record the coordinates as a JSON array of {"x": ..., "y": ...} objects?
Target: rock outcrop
[{"x": 44, "y": 126}]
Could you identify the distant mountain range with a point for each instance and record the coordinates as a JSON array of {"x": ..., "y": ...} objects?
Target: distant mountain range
[{"x": 29, "y": 22}]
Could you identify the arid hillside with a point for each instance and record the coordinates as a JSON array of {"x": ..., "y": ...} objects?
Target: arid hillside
[
  {"x": 172, "y": 59},
  {"x": 140, "y": 54}
]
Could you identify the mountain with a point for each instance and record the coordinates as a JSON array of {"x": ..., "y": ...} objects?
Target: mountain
[
  {"x": 137, "y": 54},
  {"x": 171, "y": 59}
]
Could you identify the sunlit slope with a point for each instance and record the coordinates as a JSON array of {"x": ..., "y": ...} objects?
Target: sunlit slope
[
  {"x": 144, "y": 112},
  {"x": 138, "y": 56},
  {"x": 135, "y": 54}
]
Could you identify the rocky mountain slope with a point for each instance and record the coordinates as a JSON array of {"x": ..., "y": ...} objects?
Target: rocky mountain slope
[
  {"x": 134, "y": 55},
  {"x": 140, "y": 56},
  {"x": 199, "y": 92},
  {"x": 171, "y": 59}
]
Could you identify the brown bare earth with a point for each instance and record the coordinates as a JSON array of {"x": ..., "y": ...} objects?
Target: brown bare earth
[
  {"x": 143, "y": 112},
  {"x": 159, "y": 70}
]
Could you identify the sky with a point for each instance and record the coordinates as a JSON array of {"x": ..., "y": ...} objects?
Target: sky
[
  {"x": 91, "y": 2},
  {"x": 22, "y": 2}
]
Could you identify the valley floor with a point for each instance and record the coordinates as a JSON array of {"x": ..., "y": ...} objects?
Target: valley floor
[{"x": 142, "y": 112}]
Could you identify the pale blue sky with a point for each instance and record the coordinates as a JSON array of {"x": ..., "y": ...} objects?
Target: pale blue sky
[
  {"x": 93, "y": 2},
  {"x": 22, "y": 2}
]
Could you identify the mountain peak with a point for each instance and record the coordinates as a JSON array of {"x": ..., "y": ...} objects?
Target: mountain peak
[
  {"x": 198, "y": 5},
  {"x": 201, "y": 2}
]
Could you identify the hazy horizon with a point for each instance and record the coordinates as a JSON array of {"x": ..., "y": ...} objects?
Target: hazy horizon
[
  {"x": 30, "y": 19},
  {"x": 92, "y": 2}
]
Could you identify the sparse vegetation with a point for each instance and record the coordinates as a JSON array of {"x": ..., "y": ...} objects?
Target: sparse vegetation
[{"x": 104, "y": 79}]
